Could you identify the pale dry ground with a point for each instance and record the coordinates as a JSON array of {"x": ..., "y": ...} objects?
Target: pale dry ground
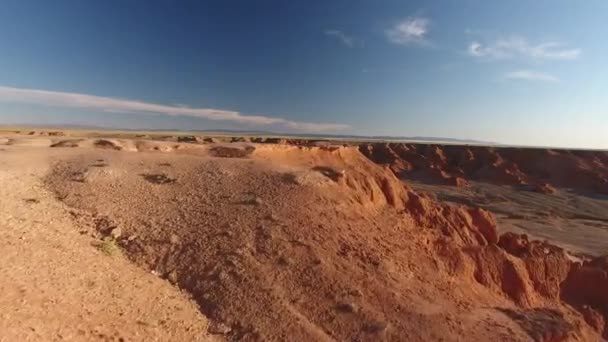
[{"x": 56, "y": 286}]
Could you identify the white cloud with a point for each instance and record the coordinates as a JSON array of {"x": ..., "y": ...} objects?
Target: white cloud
[
  {"x": 530, "y": 75},
  {"x": 408, "y": 31},
  {"x": 342, "y": 37},
  {"x": 116, "y": 105},
  {"x": 520, "y": 47}
]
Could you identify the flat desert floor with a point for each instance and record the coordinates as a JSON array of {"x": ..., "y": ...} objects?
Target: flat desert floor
[
  {"x": 177, "y": 238},
  {"x": 574, "y": 220}
]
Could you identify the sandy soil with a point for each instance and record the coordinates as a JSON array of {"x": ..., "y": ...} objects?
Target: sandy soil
[
  {"x": 280, "y": 242},
  {"x": 56, "y": 286}
]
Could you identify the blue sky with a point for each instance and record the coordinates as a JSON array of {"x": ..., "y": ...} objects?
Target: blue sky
[{"x": 518, "y": 71}]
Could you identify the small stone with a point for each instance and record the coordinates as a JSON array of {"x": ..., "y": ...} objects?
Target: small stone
[
  {"x": 223, "y": 277},
  {"x": 116, "y": 232},
  {"x": 284, "y": 261},
  {"x": 218, "y": 328},
  {"x": 272, "y": 217},
  {"x": 251, "y": 199},
  {"x": 376, "y": 327},
  {"x": 174, "y": 239},
  {"x": 356, "y": 293},
  {"x": 172, "y": 277},
  {"x": 347, "y": 307},
  {"x": 132, "y": 237}
]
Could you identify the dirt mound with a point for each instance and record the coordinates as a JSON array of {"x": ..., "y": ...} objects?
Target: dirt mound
[
  {"x": 232, "y": 151},
  {"x": 357, "y": 179},
  {"x": 453, "y": 165},
  {"x": 53, "y": 134},
  {"x": 34, "y": 142},
  {"x": 190, "y": 139},
  {"x": 108, "y": 144},
  {"x": 67, "y": 143},
  {"x": 115, "y": 144},
  {"x": 211, "y": 140}
]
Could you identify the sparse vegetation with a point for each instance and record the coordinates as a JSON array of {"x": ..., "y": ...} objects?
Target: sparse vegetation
[{"x": 109, "y": 246}]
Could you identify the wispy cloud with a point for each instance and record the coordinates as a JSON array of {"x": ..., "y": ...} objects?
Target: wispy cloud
[
  {"x": 342, "y": 37},
  {"x": 521, "y": 47},
  {"x": 530, "y": 75},
  {"x": 412, "y": 30},
  {"x": 116, "y": 105}
]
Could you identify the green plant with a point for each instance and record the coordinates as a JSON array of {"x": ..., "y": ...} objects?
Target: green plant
[{"x": 109, "y": 246}]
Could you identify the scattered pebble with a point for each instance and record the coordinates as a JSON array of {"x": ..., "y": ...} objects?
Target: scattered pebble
[
  {"x": 172, "y": 277},
  {"x": 116, "y": 232},
  {"x": 272, "y": 217},
  {"x": 218, "y": 328},
  {"x": 158, "y": 178},
  {"x": 376, "y": 327},
  {"x": 223, "y": 277},
  {"x": 174, "y": 239},
  {"x": 347, "y": 307},
  {"x": 284, "y": 261},
  {"x": 356, "y": 293}
]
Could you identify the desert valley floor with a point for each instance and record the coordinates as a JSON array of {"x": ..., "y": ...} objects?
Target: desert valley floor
[{"x": 128, "y": 237}]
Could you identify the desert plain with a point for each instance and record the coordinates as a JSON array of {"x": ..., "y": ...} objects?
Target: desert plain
[{"x": 139, "y": 236}]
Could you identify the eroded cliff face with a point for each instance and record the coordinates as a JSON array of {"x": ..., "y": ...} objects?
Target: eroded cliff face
[
  {"x": 531, "y": 273},
  {"x": 541, "y": 169}
]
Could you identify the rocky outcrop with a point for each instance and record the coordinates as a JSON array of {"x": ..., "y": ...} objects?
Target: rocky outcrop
[
  {"x": 189, "y": 139},
  {"x": 542, "y": 169},
  {"x": 530, "y": 273},
  {"x": 586, "y": 288},
  {"x": 232, "y": 151},
  {"x": 468, "y": 226}
]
